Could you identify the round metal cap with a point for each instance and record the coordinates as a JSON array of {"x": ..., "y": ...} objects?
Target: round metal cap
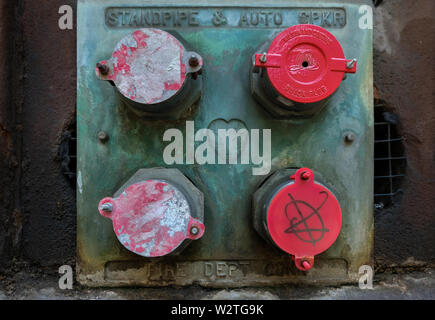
[
  {"x": 148, "y": 66},
  {"x": 151, "y": 218},
  {"x": 304, "y": 217},
  {"x": 305, "y": 63}
]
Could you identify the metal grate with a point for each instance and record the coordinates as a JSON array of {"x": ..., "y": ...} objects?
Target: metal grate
[
  {"x": 390, "y": 160},
  {"x": 68, "y": 154}
]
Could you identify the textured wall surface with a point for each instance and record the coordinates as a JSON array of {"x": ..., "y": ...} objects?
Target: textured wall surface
[
  {"x": 10, "y": 214},
  {"x": 404, "y": 45},
  {"x": 404, "y": 75},
  {"x": 49, "y": 105}
]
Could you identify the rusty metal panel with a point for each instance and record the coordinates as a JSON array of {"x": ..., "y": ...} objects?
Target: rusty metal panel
[{"x": 226, "y": 35}]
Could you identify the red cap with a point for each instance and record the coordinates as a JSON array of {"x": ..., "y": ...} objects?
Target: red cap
[
  {"x": 305, "y": 63},
  {"x": 304, "y": 218},
  {"x": 151, "y": 218}
]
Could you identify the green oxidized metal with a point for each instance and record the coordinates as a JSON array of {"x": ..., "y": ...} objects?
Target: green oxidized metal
[{"x": 226, "y": 34}]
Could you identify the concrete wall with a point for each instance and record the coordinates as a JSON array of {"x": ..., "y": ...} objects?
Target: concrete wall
[
  {"x": 49, "y": 105},
  {"x": 10, "y": 133},
  {"x": 404, "y": 46},
  {"x": 37, "y": 198}
]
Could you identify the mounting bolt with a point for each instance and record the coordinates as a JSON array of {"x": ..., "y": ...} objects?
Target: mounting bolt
[
  {"x": 306, "y": 265},
  {"x": 263, "y": 58},
  {"x": 349, "y": 137},
  {"x": 193, "y": 61},
  {"x": 106, "y": 207},
  {"x": 103, "y": 68},
  {"x": 194, "y": 230},
  {"x": 305, "y": 175},
  {"x": 103, "y": 136},
  {"x": 350, "y": 64}
]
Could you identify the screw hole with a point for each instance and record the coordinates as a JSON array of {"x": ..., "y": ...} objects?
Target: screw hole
[{"x": 305, "y": 64}]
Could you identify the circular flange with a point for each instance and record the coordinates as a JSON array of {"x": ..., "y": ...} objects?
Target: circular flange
[
  {"x": 304, "y": 217},
  {"x": 148, "y": 66},
  {"x": 151, "y": 218},
  {"x": 310, "y": 63}
]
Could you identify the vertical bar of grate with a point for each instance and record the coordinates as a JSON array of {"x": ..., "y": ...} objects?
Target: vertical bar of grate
[
  {"x": 68, "y": 154},
  {"x": 390, "y": 171}
]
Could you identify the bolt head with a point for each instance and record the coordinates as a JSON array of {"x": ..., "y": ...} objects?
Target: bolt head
[
  {"x": 193, "y": 61},
  {"x": 349, "y": 137},
  {"x": 305, "y": 175},
  {"x": 104, "y": 69},
  {"x": 107, "y": 207},
  {"x": 263, "y": 58},
  {"x": 103, "y": 136},
  {"x": 194, "y": 230},
  {"x": 306, "y": 265},
  {"x": 350, "y": 64}
]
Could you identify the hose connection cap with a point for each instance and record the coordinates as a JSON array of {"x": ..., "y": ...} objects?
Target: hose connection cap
[{"x": 305, "y": 63}]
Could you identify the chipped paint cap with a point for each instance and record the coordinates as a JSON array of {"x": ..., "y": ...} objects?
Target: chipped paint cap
[
  {"x": 152, "y": 218},
  {"x": 148, "y": 66}
]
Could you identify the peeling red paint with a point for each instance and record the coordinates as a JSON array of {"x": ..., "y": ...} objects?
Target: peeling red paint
[
  {"x": 140, "y": 38},
  {"x": 172, "y": 86}
]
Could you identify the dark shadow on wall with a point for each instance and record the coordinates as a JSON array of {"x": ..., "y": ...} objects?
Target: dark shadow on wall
[
  {"x": 10, "y": 131},
  {"x": 49, "y": 229}
]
